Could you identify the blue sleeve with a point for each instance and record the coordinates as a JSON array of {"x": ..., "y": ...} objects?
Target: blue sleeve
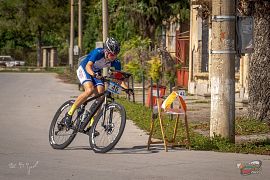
[
  {"x": 95, "y": 55},
  {"x": 117, "y": 65}
]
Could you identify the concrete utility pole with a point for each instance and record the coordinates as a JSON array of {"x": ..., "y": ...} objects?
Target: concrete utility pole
[
  {"x": 105, "y": 19},
  {"x": 195, "y": 45},
  {"x": 190, "y": 72},
  {"x": 80, "y": 27},
  {"x": 105, "y": 27},
  {"x": 222, "y": 120},
  {"x": 71, "y": 46},
  {"x": 191, "y": 42}
]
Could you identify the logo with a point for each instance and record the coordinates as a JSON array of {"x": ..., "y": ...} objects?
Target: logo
[
  {"x": 80, "y": 74},
  {"x": 23, "y": 165},
  {"x": 253, "y": 167}
]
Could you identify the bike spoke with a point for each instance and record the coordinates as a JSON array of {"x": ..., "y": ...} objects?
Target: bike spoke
[
  {"x": 60, "y": 135},
  {"x": 109, "y": 131}
]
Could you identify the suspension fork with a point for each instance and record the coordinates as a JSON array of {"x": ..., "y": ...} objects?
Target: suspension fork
[{"x": 104, "y": 112}]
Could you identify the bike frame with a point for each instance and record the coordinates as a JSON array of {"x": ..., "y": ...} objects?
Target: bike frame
[
  {"x": 105, "y": 96},
  {"x": 104, "y": 105}
]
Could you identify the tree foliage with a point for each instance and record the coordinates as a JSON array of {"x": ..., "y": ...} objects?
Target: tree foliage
[
  {"x": 147, "y": 15},
  {"x": 31, "y": 23},
  {"x": 155, "y": 68},
  {"x": 25, "y": 20},
  {"x": 134, "y": 54},
  {"x": 34, "y": 23}
]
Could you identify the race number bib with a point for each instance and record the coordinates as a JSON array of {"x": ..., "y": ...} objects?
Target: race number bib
[
  {"x": 114, "y": 88},
  {"x": 182, "y": 93}
]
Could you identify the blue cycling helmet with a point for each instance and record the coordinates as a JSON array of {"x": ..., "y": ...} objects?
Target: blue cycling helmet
[{"x": 112, "y": 45}]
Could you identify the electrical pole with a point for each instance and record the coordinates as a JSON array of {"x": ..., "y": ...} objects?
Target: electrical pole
[
  {"x": 71, "y": 46},
  {"x": 105, "y": 27},
  {"x": 191, "y": 42},
  {"x": 105, "y": 19},
  {"x": 222, "y": 119},
  {"x": 80, "y": 27}
]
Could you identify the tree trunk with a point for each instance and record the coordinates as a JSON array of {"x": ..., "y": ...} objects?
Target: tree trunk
[
  {"x": 259, "y": 73},
  {"x": 39, "y": 47}
]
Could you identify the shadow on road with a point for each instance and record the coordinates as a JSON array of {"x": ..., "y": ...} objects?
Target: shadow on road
[
  {"x": 131, "y": 150},
  {"x": 143, "y": 150},
  {"x": 78, "y": 148},
  {"x": 134, "y": 150}
]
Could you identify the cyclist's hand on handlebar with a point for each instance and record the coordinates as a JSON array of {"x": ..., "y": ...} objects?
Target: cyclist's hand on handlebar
[
  {"x": 98, "y": 75},
  {"x": 129, "y": 91}
]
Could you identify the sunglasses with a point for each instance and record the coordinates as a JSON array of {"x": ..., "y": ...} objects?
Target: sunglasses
[{"x": 111, "y": 54}]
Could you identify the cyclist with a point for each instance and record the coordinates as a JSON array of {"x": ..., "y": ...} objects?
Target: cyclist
[{"x": 89, "y": 73}]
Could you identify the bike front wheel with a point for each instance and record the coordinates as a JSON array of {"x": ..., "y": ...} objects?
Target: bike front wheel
[
  {"x": 107, "y": 128},
  {"x": 60, "y": 136}
]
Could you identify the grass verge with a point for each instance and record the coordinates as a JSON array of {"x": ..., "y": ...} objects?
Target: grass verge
[{"x": 141, "y": 117}]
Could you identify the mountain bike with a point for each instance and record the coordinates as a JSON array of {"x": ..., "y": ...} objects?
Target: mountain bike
[{"x": 109, "y": 118}]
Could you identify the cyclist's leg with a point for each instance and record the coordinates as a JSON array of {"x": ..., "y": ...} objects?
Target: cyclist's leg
[
  {"x": 88, "y": 90},
  {"x": 99, "y": 89},
  {"x": 89, "y": 84}
]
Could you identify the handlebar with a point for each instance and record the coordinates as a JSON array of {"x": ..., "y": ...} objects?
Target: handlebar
[{"x": 110, "y": 79}]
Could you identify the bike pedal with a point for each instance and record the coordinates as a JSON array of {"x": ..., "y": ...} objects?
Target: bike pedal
[
  {"x": 83, "y": 131},
  {"x": 96, "y": 133}
]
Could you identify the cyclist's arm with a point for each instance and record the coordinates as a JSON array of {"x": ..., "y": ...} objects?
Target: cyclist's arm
[
  {"x": 126, "y": 89},
  {"x": 89, "y": 69},
  {"x": 92, "y": 57},
  {"x": 117, "y": 66},
  {"x": 123, "y": 84}
]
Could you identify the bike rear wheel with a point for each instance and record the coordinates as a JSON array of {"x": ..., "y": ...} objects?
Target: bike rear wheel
[
  {"x": 60, "y": 136},
  {"x": 107, "y": 131}
]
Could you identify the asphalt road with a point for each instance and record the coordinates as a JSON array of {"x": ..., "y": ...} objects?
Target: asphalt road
[{"x": 28, "y": 102}]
